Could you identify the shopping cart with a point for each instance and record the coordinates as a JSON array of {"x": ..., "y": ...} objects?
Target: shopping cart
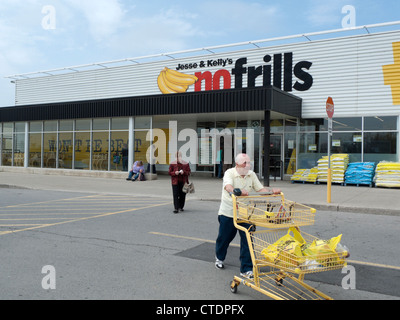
[{"x": 278, "y": 265}]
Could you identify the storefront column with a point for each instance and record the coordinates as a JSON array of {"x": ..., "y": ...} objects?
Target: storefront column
[
  {"x": 151, "y": 160},
  {"x": 398, "y": 138},
  {"x": 266, "y": 146},
  {"x": 131, "y": 146},
  {"x": 26, "y": 147}
]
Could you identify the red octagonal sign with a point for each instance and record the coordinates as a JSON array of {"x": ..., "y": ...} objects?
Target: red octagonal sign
[{"x": 330, "y": 107}]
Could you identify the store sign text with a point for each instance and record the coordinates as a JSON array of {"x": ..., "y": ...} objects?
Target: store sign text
[{"x": 279, "y": 72}]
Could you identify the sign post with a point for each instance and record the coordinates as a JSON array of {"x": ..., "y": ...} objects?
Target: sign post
[{"x": 330, "y": 108}]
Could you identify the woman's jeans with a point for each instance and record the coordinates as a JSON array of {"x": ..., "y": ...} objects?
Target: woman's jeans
[
  {"x": 227, "y": 232},
  {"x": 131, "y": 173}
]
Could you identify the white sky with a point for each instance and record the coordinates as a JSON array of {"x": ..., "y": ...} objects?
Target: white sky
[{"x": 34, "y": 38}]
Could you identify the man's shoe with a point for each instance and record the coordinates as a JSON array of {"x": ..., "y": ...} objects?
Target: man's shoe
[
  {"x": 219, "y": 264},
  {"x": 128, "y": 179},
  {"x": 181, "y": 210},
  {"x": 248, "y": 274},
  {"x": 175, "y": 211}
]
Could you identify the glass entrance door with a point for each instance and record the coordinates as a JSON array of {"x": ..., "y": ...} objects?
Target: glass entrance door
[{"x": 275, "y": 157}]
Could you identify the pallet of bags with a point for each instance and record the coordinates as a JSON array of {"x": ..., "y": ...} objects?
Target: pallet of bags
[
  {"x": 305, "y": 175},
  {"x": 360, "y": 173},
  {"x": 297, "y": 176},
  {"x": 322, "y": 167},
  {"x": 312, "y": 175},
  {"x": 339, "y": 163},
  {"x": 387, "y": 174}
]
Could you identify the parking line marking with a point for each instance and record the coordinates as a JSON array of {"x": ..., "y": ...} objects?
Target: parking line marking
[
  {"x": 92, "y": 215},
  {"x": 237, "y": 245}
]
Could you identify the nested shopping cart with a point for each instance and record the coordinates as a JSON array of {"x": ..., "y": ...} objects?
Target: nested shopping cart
[{"x": 279, "y": 264}]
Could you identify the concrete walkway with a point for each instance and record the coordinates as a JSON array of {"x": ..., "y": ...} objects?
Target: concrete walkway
[{"x": 363, "y": 199}]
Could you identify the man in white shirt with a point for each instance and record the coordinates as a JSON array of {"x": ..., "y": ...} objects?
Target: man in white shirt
[{"x": 239, "y": 177}]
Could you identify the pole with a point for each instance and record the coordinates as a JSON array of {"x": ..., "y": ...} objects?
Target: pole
[
  {"x": 329, "y": 182},
  {"x": 330, "y": 109},
  {"x": 266, "y": 146}
]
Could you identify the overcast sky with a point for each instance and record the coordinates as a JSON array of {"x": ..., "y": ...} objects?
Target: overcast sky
[{"x": 38, "y": 35}]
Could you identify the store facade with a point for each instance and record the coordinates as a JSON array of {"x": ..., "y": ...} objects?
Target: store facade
[{"x": 266, "y": 101}]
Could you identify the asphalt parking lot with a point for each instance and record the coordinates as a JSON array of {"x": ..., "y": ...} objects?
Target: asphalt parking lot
[{"x": 108, "y": 246}]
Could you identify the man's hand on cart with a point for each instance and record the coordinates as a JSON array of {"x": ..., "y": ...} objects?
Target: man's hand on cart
[
  {"x": 244, "y": 193},
  {"x": 271, "y": 190}
]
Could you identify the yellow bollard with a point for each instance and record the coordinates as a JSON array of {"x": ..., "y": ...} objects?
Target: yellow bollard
[{"x": 329, "y": 183}]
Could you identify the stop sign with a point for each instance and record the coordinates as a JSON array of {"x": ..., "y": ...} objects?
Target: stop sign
[{"x": 330, "y": 107}]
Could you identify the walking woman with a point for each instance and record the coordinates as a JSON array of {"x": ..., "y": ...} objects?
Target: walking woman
[{"x": 179, "y": 171}]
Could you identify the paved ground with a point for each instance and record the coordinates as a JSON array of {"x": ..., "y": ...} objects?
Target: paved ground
[{"x": 115, "y": 239}]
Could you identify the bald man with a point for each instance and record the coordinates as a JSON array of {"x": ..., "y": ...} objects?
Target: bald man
[{"x": 243, "y": 178}]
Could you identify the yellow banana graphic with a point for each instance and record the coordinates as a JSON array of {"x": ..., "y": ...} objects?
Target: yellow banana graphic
[
  {"x": 180, "y": 78},
  {"x": 171, "y": 81},
  {"x": 162, "y": 85}
]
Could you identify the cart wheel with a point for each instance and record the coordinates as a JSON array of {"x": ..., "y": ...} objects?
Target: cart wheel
[{"x": 234, "y": 287}]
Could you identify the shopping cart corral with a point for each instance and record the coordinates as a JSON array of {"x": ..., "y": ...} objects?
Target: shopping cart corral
[{"x": 281, "y": 253}]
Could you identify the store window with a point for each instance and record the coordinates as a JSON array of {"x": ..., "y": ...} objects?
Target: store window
[
  {"x": 50, "y": 150},
  {"x": 36, "y": 126},
  {"x": 142, "y": 123},
  {"x": 65, "y": 150},
  {"x": 313, "y": 125},
  {"x": 290, "y": 125},
  {"x": 50, "y": 126},
  {"x": 347, "y": 124},
  {"x": 120, "y": 124},
  {"x": 35, "y": 144},
  {"x": 50, "y": 144},
  {"x": 82, "y": 150},
  {"x": 349, "y": 143},
  {"x": 380, "y": 123},
  {"x": 205, "y": 147},
  {"x": 119, "y": 144},
  {"x": 276, "y": 126},
  {"x": 141, "y": 145},
  {"x": 119, "y": 150},
  {"x": 380, "y": 146},
  {"x": 100, "y": 150},
  {"x": 313, "y": 146},
  {"x": 82, "y": 125},
  {"x": 290, "y": 153},
  {"x": 35, "y": 150},
  {"x": 66, "y": 125},
  {"x": 7, "y": 144},
  {"x": 101, "y": 124},
  {"x": 19, "y": 144},
  {"x": 250, "y": 145}
]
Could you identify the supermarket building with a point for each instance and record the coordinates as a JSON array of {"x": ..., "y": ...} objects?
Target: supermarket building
[{"x": 266, "y": 98}]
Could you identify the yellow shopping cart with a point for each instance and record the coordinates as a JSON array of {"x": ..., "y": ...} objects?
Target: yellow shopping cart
[{"x": 282, "y": 254}]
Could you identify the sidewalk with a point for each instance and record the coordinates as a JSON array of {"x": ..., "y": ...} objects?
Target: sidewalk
[{"x": 361, "y": 199}]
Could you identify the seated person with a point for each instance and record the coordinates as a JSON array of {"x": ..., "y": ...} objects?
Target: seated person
[{"x": 137, "y": 170}]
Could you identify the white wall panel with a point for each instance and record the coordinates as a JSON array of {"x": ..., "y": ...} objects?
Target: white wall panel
[{"x": 347, "y": 69}]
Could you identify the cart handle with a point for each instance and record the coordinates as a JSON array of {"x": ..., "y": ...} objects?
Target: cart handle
[{"x": 238, "y": 193}]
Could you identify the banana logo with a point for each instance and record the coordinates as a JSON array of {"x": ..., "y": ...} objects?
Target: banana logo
[{"x": 172, "y": 81}]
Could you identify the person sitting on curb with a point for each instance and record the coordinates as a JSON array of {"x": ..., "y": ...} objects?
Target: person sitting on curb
[{"x": 137, "y": 171}]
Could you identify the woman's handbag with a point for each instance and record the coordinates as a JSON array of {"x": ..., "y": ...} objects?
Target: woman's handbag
[{"x": 188, "y": 187}]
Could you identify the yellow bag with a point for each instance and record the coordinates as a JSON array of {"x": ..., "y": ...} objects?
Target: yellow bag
[
  {"x": 323, "y": 251},
  {"x": 287, "y": 250}
]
